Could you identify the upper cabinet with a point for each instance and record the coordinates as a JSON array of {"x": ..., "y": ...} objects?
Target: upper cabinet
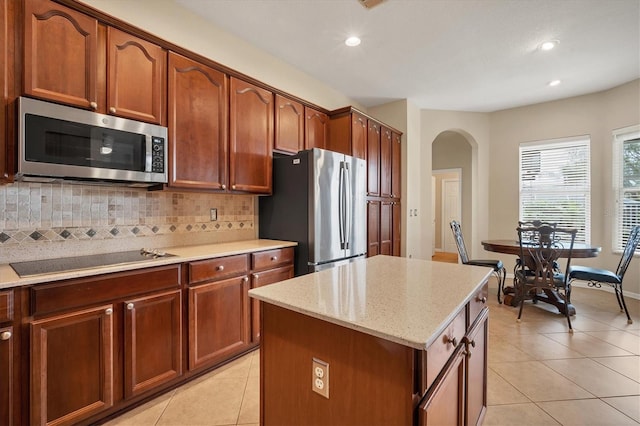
[
  {"x": 198, "y": 113},
  {"x": 251, "y": 137},
  {"x": 7, "y": 43},
  {"x": 396, "y": 175},
  {"x": 65, "y": 60},
  {"x": 348, "y": 133},
  {"x": 316, "y": 126},
  {"x": 373, "y": 158},
  {"x": 289, "y": 125}
]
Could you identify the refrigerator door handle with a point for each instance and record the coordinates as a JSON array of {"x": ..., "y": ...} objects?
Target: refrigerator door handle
[
  {"x": 341, "y": 206},
  {"x": 348, "y": 205}
]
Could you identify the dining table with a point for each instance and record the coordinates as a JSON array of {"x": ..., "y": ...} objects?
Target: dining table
[{"x": 512, "y": 246}]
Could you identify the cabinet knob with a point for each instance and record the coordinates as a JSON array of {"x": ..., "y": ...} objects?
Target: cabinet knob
[
  {"x": 93, "y": 105},
  {"x": 245, "y": 279},
  {"x": 481, "y": 299},
  {"x": 223, "y": 186},
  {"x": 5, "y": 335},
  {"x": 256, "y": 276},
  {"x": 220, "y": 268},
  {"x": 451, "y": 340},
  {"x": 233, "y": 187},
  {"x": 130, "y": 306},
  {"x": 274, "y": 258},
  {"x": 108, "y": 311},
  {"x": 112, "y": 110}
]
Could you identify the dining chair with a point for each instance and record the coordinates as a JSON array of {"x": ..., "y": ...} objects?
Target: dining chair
[
  {"x": 527, "y": 224},
  {"x": 540, "y": 248},
  {"x": 596, "y": 277},
  {"x": 498, "y": 268}
]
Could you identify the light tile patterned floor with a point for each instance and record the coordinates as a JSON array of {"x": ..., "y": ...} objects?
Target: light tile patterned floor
[{"x": 539, "y": 374}]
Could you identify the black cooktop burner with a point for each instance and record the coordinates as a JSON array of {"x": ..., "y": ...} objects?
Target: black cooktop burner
[{"x": 49, "y": 266}]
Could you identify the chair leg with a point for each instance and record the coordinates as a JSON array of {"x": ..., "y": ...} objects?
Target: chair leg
[
  {"x": 522, "y": 294},
  {"x": 615, "y": 288},
  {"x": 626, "y": 311},
  {"x": 500, "y": 285},
  {"x": 566, "y": 311},
  {"x": 504, "y": 278}
]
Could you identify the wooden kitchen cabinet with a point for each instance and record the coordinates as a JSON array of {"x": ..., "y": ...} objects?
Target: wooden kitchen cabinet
[
  {"x": 373, "y": 228},
  {"x": 198, "y": 113},
  {"x": 396, "y": 172},
  {"x": 316, "y": 127},
  {"x": 396, "y": 233},
  {"x": 445, "y": 402},
  {"x": 71, "y": 58},
  {"x": 386, "y": 144},
  {"x": 251, "y": 137},
  {"x": 136, "y": 77},
  {"x": 386, "y": 227},
  {"x": 373, "y": 158},
  {"x": 7, "y": 391},
  {"x": 7, "y": 81},
  {"x": 72, "y": 365},
  {"x": 348, "y": 132},
  {"x": 152, "y": 341},
  {"x": 289, "y": 125}
]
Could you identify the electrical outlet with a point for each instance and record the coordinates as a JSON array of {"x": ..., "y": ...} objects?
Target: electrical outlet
[
  {"x": 214, "y": 214},
  {"x": 320, "y": 377}
]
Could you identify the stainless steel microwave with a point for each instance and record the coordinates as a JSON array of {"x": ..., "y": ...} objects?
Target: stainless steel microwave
[{"x": 57, "y": 142}]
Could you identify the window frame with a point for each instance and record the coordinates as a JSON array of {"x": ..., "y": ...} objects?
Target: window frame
[
  {"x": 619, "y": 137},
  {"x": 555, "y": 144}
]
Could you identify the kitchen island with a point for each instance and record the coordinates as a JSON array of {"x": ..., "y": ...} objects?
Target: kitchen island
[{"x": 384, "y": 340}]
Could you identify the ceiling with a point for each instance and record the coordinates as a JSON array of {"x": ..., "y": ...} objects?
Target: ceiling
[{"x": 462, "y": 55}]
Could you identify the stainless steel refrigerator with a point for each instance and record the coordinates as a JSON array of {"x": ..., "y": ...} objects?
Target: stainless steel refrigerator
[{"x": 318, "y": 201}]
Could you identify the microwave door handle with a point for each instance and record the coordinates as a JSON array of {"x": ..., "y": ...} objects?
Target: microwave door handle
[{"x": 148, "y": 153}]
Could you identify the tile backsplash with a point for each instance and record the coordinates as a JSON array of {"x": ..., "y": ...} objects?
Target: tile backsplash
[{"x": 40, "y": 220}]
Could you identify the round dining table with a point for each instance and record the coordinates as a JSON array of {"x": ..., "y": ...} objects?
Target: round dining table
[{"x": 580, "y": 251}]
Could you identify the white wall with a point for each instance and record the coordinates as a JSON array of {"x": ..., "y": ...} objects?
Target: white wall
[{"x": 596, "y": 115}]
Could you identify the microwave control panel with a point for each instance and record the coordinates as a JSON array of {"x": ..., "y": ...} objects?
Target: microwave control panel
[{"x": 157, "y": 154}]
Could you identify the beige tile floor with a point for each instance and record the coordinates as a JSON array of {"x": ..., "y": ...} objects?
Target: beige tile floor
[{"x": 539, "y": 374}]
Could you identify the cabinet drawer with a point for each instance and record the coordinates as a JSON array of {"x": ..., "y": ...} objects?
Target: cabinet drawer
[
  {"x": 54, "y": 297},
  {"x": 271, "y": 258},
  {"x": 6, "y": 306},
  {"x": 477, "y": 302},
  {"x": 215, "y": 269},
  {"x": 444, "y": 346}
]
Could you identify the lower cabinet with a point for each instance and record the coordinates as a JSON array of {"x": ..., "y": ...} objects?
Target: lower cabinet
[
  {"x": 445, "y": 402},
  {"x": 6, "y": 372},
  {"x": 259, "y": 279}
]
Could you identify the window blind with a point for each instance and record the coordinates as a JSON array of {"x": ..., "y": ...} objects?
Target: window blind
[
  {"x": 555, "y": 183},
  {"x": 626, "y": 184}
]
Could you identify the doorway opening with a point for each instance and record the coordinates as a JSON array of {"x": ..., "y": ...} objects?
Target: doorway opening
[{"x": 446, "y": 206}]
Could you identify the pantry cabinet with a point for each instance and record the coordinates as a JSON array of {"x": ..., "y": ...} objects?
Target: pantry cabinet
[
  {"x": 71, "y": 58},
  {"x": 198, "y": 114},
  {"x": 373, "y": 228},
  {"x": 251, "y": 137}
]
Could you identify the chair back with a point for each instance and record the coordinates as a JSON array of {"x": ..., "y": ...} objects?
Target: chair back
[
  {"x": 629, "y": 249},
  {"x": 534, "y": 224},
  {"x": 540, "y": 248},
  {"x": 457, "y": 235}
]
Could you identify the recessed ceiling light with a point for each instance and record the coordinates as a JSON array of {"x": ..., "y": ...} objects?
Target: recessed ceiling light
[
  {"x": 352, "y": 41},
  {"x": 553, "y": 83},
  {"x": 548, "y": 45}
]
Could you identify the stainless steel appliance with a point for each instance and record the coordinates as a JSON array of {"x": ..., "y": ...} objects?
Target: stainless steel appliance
[
  {"x": 318, "y": 201},
  {"x": 57, "y": 142}
]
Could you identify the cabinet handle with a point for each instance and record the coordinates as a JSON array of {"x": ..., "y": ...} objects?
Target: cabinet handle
[
  {"x": 223, "y": 186},
  {"x": 6, "y": 335},
  {"x": 482, "y": 300},
  {"x": 108, "y": 311},
  {"x": 220, "y": 268},
  {"x": 130, "y": 306},
  {"x": 112, "y": 110},
  {"x": 451, "y": 340},
  {"x": 93, "y": 105},
  {"x": 274, "y": 258}
]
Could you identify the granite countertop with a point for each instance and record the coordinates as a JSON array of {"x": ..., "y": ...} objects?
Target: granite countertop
[
  {"x": 407, "y": 301},
  {"x": 9, "y": 278}
]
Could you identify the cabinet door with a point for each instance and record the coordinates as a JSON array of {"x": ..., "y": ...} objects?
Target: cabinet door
[
  {"x": 218, "y": 321},
  {"x": 289, "y": 125},
  {"x": 444, "y": 403},
  {"x": 373, "y": 159},
  {"x": 136, "y": 76},
  {"x": 6, "y": 372},
  {"x": 396, "y": 173},
  {"x": 316, "y": 128},
  {"x": 359, "y": 131},
  {"x": 60, "y": 54},
  {"x": 152, "y": 341},
  {"x": 386, "y": 143},
  {"x": 7, "y": 80},
  {"x": 476, "y": 389},
  {"x": 198, "y": 111},
  {"x": 373, "y": 228},
  {"x": 396, "y": 229},
  {"x": 386, "y": 227},
  {"x": 72, "y": 365},
  {"x": 259, "y": 279},
  {"x": 251, "y": 137}
]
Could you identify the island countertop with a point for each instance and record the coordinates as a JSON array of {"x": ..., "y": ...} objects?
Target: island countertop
[{"x": 406, "y": 301}]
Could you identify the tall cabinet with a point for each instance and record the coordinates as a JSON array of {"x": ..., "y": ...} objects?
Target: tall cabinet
[{"x": 354, "y": 133}]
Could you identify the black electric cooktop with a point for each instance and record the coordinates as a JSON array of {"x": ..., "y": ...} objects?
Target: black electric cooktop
[{"x": 64, "y": 264}]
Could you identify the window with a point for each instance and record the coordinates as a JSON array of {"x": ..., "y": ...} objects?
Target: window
[
  {"x": 555, "y": 183},
  {"x": 626, "y": 183}
]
